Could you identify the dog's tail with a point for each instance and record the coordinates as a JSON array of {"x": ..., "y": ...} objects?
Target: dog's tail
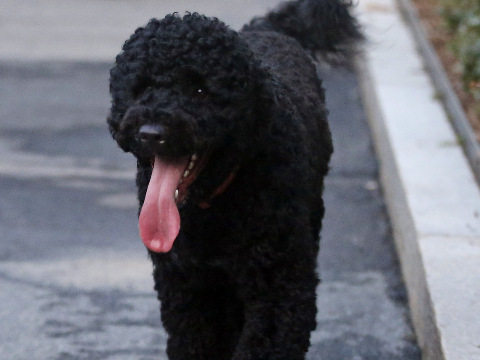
[{"x": 319, "y": 25}]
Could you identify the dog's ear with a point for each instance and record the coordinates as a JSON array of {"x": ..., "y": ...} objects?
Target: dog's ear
[
  {"x": 113, "y": 128},
  {"x": 265, "y": 97}
]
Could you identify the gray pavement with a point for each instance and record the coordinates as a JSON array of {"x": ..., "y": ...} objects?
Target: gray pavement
[{"x": 74, "y": 277}]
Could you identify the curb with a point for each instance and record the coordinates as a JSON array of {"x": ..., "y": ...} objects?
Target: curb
[
  {"x": 430, "y": 189},
  {"x": 443, "y": 86}
]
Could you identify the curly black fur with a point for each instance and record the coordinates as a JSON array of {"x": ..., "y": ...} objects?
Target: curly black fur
[
  {"x": 240, "y": 280},
  {"x": 318, "y": 25}
]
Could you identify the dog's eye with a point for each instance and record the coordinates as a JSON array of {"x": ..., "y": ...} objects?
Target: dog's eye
[
  {"x": 196, "y": 88},
  {"x": 198, "y": 91},
  {"x": 193, "y": 85}
]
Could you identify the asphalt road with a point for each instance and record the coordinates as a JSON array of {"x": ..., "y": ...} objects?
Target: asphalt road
[{"x": 75, "y": 280}]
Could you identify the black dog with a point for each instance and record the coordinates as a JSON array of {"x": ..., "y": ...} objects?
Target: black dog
[{"x": 232, "y": 142}]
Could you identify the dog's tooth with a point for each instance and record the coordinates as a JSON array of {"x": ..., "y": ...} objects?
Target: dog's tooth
[
  {"x": 176, "y": 194},
  {"x": 191, "y": 165},
  {"x": 194, "y": 157},
  {"x": 186, "y": 173}
]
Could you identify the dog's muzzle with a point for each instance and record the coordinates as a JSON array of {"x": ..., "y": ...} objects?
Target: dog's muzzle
[
  {"x": 159, "y": 131},
  {"x": 150, "y": 134}
]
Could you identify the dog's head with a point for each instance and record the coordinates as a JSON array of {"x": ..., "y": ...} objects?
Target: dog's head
[
  {"x": 179, "y": 85},
  {"x": 184, "y": 96}
]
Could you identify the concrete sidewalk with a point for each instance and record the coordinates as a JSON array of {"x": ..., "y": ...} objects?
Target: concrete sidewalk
[{"x": 432, "y": 196}]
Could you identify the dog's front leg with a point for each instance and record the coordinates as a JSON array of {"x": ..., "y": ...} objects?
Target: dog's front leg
[
  {"x": 200, "y": 313},
  {"x": 280, "y": 309}
]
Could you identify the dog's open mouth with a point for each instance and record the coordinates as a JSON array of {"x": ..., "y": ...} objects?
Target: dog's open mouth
[{"x": 159, "y": 221}]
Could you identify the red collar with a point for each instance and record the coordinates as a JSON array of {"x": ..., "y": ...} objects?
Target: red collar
[{"x": 219, "y": 190}]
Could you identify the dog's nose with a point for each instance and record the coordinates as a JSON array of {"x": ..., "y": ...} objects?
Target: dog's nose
[{"x": 152, "y": 133}]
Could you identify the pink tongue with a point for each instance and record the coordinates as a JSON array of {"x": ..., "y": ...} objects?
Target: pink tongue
[{"x": 159, "y": 221}]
